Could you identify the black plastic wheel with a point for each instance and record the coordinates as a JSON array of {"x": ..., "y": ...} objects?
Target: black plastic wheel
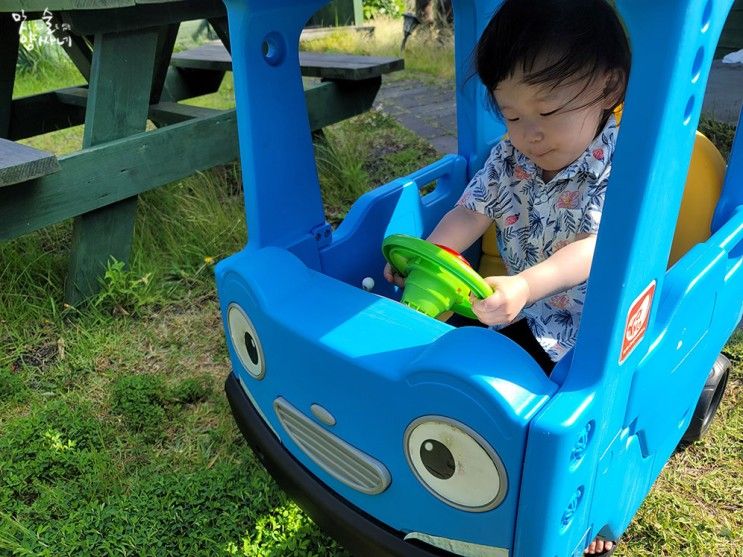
[{"x": 709, "y": 401}]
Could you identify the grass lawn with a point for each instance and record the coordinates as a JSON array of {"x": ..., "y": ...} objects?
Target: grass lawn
[{"x": 115, "y": 435}]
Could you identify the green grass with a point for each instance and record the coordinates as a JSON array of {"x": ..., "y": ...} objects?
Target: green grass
[
  {"x": 115, "y": 435},
  {"x": 426, "y": 57},
  {"x": 720, "y": 133}
]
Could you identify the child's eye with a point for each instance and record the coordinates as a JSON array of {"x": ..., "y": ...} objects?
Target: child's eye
[
  {"x": 551, "y": 112},
  {"x": 512, "y": 119}
]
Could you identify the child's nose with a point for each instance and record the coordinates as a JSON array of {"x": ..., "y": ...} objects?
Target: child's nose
[{"x": 533, "y": 133}]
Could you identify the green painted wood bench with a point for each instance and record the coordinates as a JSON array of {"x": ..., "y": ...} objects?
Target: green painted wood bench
[
  {"x": 20, "y": 163},
  {"x": 348, "y": 86},
  {"x": 123, "y": 50}
]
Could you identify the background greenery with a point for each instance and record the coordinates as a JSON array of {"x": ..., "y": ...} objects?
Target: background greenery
[
  {"x": 115, "y": 436},
  {"x": 377, "y": 8}
]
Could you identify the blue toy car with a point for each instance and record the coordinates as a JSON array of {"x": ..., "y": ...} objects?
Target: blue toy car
[{"x": 389, "y": 427}]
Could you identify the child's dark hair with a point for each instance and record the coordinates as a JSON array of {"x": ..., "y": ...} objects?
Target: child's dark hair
[{"x": 584, "y": 38}]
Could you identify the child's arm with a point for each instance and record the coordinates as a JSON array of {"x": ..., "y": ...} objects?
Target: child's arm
[
  {"x": 458, "y": 230},
  {"x": 564, "y": 269}
]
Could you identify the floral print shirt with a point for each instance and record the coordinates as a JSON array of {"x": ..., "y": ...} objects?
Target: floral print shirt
[{"x": 533, "y": 220}]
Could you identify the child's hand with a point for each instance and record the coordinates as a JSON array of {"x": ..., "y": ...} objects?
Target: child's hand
[
  {"x": 510, "y": 295},
  {"x": 391, "y": 275}
]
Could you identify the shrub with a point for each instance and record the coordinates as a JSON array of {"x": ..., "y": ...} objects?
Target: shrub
[
  {"x": 123, "y": 291},
  {"x": 392, "y": 8}
]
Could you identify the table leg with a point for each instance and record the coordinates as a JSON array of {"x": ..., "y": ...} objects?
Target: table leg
[
  {"x": 118, "y": 101},
  {"x": 165, "y": 44},
  {"x": 9, "y": 41},
  {"x": 219, "y": 24},
  {"x": 80, "y": 53}
]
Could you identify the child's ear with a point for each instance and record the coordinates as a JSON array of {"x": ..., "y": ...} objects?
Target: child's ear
[{"x": 613, "y": 87}]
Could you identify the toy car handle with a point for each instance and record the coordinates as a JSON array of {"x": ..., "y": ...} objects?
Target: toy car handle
[{"x": 443, "y": 172}]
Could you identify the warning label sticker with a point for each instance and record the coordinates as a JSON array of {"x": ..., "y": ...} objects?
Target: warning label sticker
[{"x": 637, "y": 321}]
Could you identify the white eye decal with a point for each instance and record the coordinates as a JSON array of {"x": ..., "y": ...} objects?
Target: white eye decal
[
  {"x": 455, "y": 464},
  {"x": 245, "y": 341}
]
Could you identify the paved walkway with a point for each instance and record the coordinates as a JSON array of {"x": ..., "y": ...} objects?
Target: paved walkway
[
  {"x": 429, "y": 109},
  {"x": 425, "y": 109}
]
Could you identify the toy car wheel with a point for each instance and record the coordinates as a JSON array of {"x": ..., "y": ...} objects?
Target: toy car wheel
[{"x": 708, "y": 403}]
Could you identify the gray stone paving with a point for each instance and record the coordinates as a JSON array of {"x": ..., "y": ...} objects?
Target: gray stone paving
[
  {"x": 428, "y": 109},
  {"x": 425, "y": 109},
  {"x": 722, "y": 100}
]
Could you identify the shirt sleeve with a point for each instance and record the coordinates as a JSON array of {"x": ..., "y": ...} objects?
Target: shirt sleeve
[
  {"x": 481, "y": 194},
  {"x": 593, "y": 206}
]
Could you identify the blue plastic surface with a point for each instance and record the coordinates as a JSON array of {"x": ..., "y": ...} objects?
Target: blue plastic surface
[{"x": 580, "y": 451}]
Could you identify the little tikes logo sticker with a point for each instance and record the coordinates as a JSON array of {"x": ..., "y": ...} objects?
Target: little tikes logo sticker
[{"x": 637, "y": 321}]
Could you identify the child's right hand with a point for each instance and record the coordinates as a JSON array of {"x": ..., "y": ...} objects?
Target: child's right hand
[
  {"x": 391, "y": 275},
  {"x": 510, "y": 295}
]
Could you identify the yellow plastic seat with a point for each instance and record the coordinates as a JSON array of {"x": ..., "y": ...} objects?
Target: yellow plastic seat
[{"x": 702, "y": 191}]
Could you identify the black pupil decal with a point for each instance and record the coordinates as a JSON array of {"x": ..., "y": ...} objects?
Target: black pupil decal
[
  {"x": 251, "y": 348},
  {"x": 437, "y": 459}
]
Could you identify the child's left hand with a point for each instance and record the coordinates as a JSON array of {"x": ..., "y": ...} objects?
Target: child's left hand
[{"x": 510, "y": 295}]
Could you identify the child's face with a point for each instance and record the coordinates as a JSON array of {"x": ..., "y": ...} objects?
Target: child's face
[{"x": 550, "y": 124}]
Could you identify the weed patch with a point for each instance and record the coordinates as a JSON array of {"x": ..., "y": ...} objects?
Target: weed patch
[
  {"x": 719, "y": 133},
  {"x": 286, "y": 531},
  {"x": 58, "y": 446},
  {"x": 140, "y": 400},
  {"x": 191, "y": 390},
  {"x": 364, "y": 152},
  {"x": 125, "y": 292},
  {"x": 12, "y": 388}
]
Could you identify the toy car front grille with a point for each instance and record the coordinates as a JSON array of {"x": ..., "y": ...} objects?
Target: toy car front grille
[{"x": 339, "y": 459}]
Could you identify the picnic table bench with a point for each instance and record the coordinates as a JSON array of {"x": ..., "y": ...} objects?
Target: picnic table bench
[
  {"x": 348, "y": 83},
  {"x": 123, "y": 49}
]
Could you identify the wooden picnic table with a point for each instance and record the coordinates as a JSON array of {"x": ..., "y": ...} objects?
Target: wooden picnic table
[{"x": 123, "y": 49}]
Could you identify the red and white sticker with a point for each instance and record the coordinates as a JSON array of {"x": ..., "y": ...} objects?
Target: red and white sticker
[{"x": 637, "y": 321}]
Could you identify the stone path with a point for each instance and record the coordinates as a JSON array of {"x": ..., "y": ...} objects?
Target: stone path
[
  {"x": 428, "y": 109},
  {"x": 424, "y": 108},
  {"x": 722, "y": 100}
]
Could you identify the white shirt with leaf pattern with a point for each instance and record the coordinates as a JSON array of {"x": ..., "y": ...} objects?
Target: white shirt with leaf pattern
[{"x": 533, "y": 220}]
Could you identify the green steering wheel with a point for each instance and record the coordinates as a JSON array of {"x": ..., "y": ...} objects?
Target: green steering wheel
[{"x": 438, "y": 279}]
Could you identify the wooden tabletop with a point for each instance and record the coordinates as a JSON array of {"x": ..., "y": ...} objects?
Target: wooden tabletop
[
  {"x": 59, "y": 5},
  {"x": 214, "y": 56}
]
